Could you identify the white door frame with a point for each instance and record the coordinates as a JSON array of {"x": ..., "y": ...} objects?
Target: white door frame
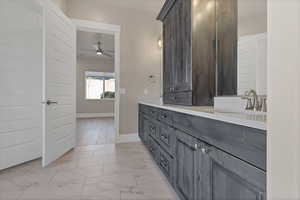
[{"x": 91, "y": 26}]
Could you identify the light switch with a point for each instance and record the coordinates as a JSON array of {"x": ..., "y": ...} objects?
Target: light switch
[{"x": 145, "y": 91}]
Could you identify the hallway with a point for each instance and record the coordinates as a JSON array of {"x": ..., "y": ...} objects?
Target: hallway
[
  {"x": 92, "y": 172},
  {"x": 95, "y": 131}
]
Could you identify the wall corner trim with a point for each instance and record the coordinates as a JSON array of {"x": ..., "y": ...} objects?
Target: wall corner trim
[
  {"x": 93, "y": 115},
  {"x": 127, "y": 138}
]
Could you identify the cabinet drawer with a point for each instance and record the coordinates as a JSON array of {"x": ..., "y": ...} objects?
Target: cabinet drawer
[
  {"x": 184, "y": 98},
  {"x": 166, "y": 116},
  {"x": 179, "y": 98},
  {"x": 166, "y": 138},
  {"x": 151, "y": 129},
  {"x": 165, "y": 163},
  {"x": 248, "y": 144},
  {"x": 169, "y": 98},
  {"x": 151, "y": 112},
  {"x": 153, "y": 148},
  {"x": 142, "y": 108}
]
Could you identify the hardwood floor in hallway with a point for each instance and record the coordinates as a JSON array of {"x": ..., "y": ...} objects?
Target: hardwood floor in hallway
[
  {"x": 95, "y": 131},
  {"x": 91, "y": 172}
]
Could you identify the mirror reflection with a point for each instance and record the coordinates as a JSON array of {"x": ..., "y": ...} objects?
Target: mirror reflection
[{"x": 252, "y": 46}]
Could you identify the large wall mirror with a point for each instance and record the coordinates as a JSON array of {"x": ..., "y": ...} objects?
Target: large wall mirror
[{"x": 250, "y": 69}]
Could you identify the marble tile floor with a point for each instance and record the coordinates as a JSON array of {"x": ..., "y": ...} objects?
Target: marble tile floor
[{"x": 94, "y": 172}]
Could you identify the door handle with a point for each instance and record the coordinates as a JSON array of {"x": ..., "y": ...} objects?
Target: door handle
[{"x": 49, "y": 102}]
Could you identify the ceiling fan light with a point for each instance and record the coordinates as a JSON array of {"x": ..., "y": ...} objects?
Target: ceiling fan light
[{"x": 99, "y": 52}]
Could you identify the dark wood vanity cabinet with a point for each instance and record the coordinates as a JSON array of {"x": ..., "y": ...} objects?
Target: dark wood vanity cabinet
[
  {"x": 200, "y": 166},
  {"x": 177, "y": 54},
  {"x": 231, "y": 178},
  {"x": 192, "y": 49},
  {"x": 186, "y": 166}
]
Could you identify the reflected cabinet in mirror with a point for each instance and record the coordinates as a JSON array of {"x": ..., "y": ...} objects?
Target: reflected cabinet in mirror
[{"x": 241, "y": 49}]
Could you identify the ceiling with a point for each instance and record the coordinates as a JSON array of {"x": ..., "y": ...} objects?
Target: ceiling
[
  {"x": 146, "y": 5},
  {"x": 86, "y": 42}
]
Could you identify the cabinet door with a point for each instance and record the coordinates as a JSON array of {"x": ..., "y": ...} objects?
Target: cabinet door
[
  {"x": 186, "y": 165},
  {"x": 182, "y": 33},
  {"x": 231, "y": 178},
  {"x": 168, "y": 53},
  {"x": 227, "y": 36}
]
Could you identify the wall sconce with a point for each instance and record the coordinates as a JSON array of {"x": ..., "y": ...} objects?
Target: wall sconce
[{"x": 160, "y": 43}]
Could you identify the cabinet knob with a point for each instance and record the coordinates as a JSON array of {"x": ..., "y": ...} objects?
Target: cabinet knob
[
  {"x": 196, "y": 146},
  {"x": 164, "y": 116},
  {"x": 204, "y": 150}
]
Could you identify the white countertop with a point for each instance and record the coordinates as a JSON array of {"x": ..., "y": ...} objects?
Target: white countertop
[{"x": 257, "y": 121}]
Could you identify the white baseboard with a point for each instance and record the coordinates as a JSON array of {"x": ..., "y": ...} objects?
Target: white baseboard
[
  {"x": 128, "y": 138},
  {"x": 94, "y": 115}
]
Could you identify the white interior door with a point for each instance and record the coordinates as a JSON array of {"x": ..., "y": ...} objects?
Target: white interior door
[
  {"x": 60, "y": 88},
  {"x": 21, "y": 47}
]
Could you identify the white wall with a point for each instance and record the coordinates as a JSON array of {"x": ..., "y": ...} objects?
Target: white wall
[
  {"x": 92, "y": 106},
  {"x": 140, "y": 55},
  {"x": 252, "y": 63},
  {"x": 284, "y": 99}
]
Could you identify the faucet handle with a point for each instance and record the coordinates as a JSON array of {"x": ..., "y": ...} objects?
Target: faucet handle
[
  {"x": 249, "y": 104},
  {"x": 261, "y": 104},
  {"x": 264, "y": 103}
]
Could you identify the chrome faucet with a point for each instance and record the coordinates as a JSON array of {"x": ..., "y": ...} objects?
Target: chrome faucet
[{"x": 255, "y": 102}]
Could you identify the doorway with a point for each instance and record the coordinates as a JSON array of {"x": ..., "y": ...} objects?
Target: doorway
[{"x": 98, "y": 66}]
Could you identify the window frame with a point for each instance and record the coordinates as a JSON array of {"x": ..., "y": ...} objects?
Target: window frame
[{"x": 99, "y": 74}]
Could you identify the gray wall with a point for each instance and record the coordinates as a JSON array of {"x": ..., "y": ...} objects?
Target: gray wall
[
  {"x": 62, "y": 4},
  {"x": 92, "y": 106},
  {"x": 252, "y": 17},
  {"x": 140, "y": 55}
]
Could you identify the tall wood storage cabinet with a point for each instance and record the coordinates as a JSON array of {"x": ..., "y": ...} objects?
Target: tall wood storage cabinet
[{"x": 191, "y": 50}]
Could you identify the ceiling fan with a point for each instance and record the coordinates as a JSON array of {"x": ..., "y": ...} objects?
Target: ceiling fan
[{"x": 101, "y": 52}]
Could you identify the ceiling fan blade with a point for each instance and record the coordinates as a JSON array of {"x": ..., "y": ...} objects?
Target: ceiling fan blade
[
  {"x": 95, "y": 46},
  {"x": 90, "y": 50},
  {"x": 107, "y": 55}
]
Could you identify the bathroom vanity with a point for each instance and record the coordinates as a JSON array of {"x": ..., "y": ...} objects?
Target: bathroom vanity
[
  {"x": 206, "y": 154},
  {"x": 214, "y": 53}
]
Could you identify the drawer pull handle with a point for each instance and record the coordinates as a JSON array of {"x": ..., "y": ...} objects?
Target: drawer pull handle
[
  {"x": 260, "y": 196},
  {"x": 164, "y": 162}
]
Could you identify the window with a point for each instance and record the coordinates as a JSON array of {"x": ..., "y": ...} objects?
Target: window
[{"x": 100, "y": 85}]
